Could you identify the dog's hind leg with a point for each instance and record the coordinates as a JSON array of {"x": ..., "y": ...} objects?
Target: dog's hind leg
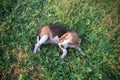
[
  {"x": 40, "y": 42},
  {"x": 38, "y": 39}
]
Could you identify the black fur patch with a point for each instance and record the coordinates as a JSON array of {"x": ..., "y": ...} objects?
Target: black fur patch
[{"x": 57, "y": 30}]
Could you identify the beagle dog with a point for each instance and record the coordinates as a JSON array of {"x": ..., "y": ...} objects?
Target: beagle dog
[{"x": 58, "y": 35}]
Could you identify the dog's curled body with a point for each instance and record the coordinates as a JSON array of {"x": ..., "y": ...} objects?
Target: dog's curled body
[{"x": 55, "y": 34}]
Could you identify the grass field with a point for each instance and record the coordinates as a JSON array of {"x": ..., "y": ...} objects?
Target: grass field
[{"x": 96, "y": 21}]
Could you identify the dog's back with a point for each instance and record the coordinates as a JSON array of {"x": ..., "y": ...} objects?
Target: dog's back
[{"x": 52, "y": 31}]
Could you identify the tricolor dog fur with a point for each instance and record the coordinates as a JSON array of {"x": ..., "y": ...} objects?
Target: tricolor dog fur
[{"x": 62, "y": 37}]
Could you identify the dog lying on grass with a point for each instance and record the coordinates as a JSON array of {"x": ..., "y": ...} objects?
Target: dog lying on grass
[{"x": 58, "y": 35}]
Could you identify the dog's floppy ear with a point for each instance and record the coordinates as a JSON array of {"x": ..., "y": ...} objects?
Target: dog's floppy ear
[{"x": 62, "y": 38}]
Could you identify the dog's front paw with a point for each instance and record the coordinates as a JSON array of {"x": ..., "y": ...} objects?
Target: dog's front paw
[
  {"x": 35, "y": 48},
  {"x": 34, "y": 51},
  {"x": 62, "y": 57}
]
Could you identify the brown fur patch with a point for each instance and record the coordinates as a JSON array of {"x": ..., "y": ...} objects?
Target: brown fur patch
[{"x": 72, "y": 37}]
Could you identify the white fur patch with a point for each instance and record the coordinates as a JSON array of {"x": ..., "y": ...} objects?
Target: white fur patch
[
  {"x": 64, "y": 51},
  {"x": 40, "y": 42},
  {"x": 38, "y": 39},
  {"x": 55, "y": 39}
]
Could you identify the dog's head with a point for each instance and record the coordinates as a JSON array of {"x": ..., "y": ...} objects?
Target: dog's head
[{"x": 70, "y": 39}]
